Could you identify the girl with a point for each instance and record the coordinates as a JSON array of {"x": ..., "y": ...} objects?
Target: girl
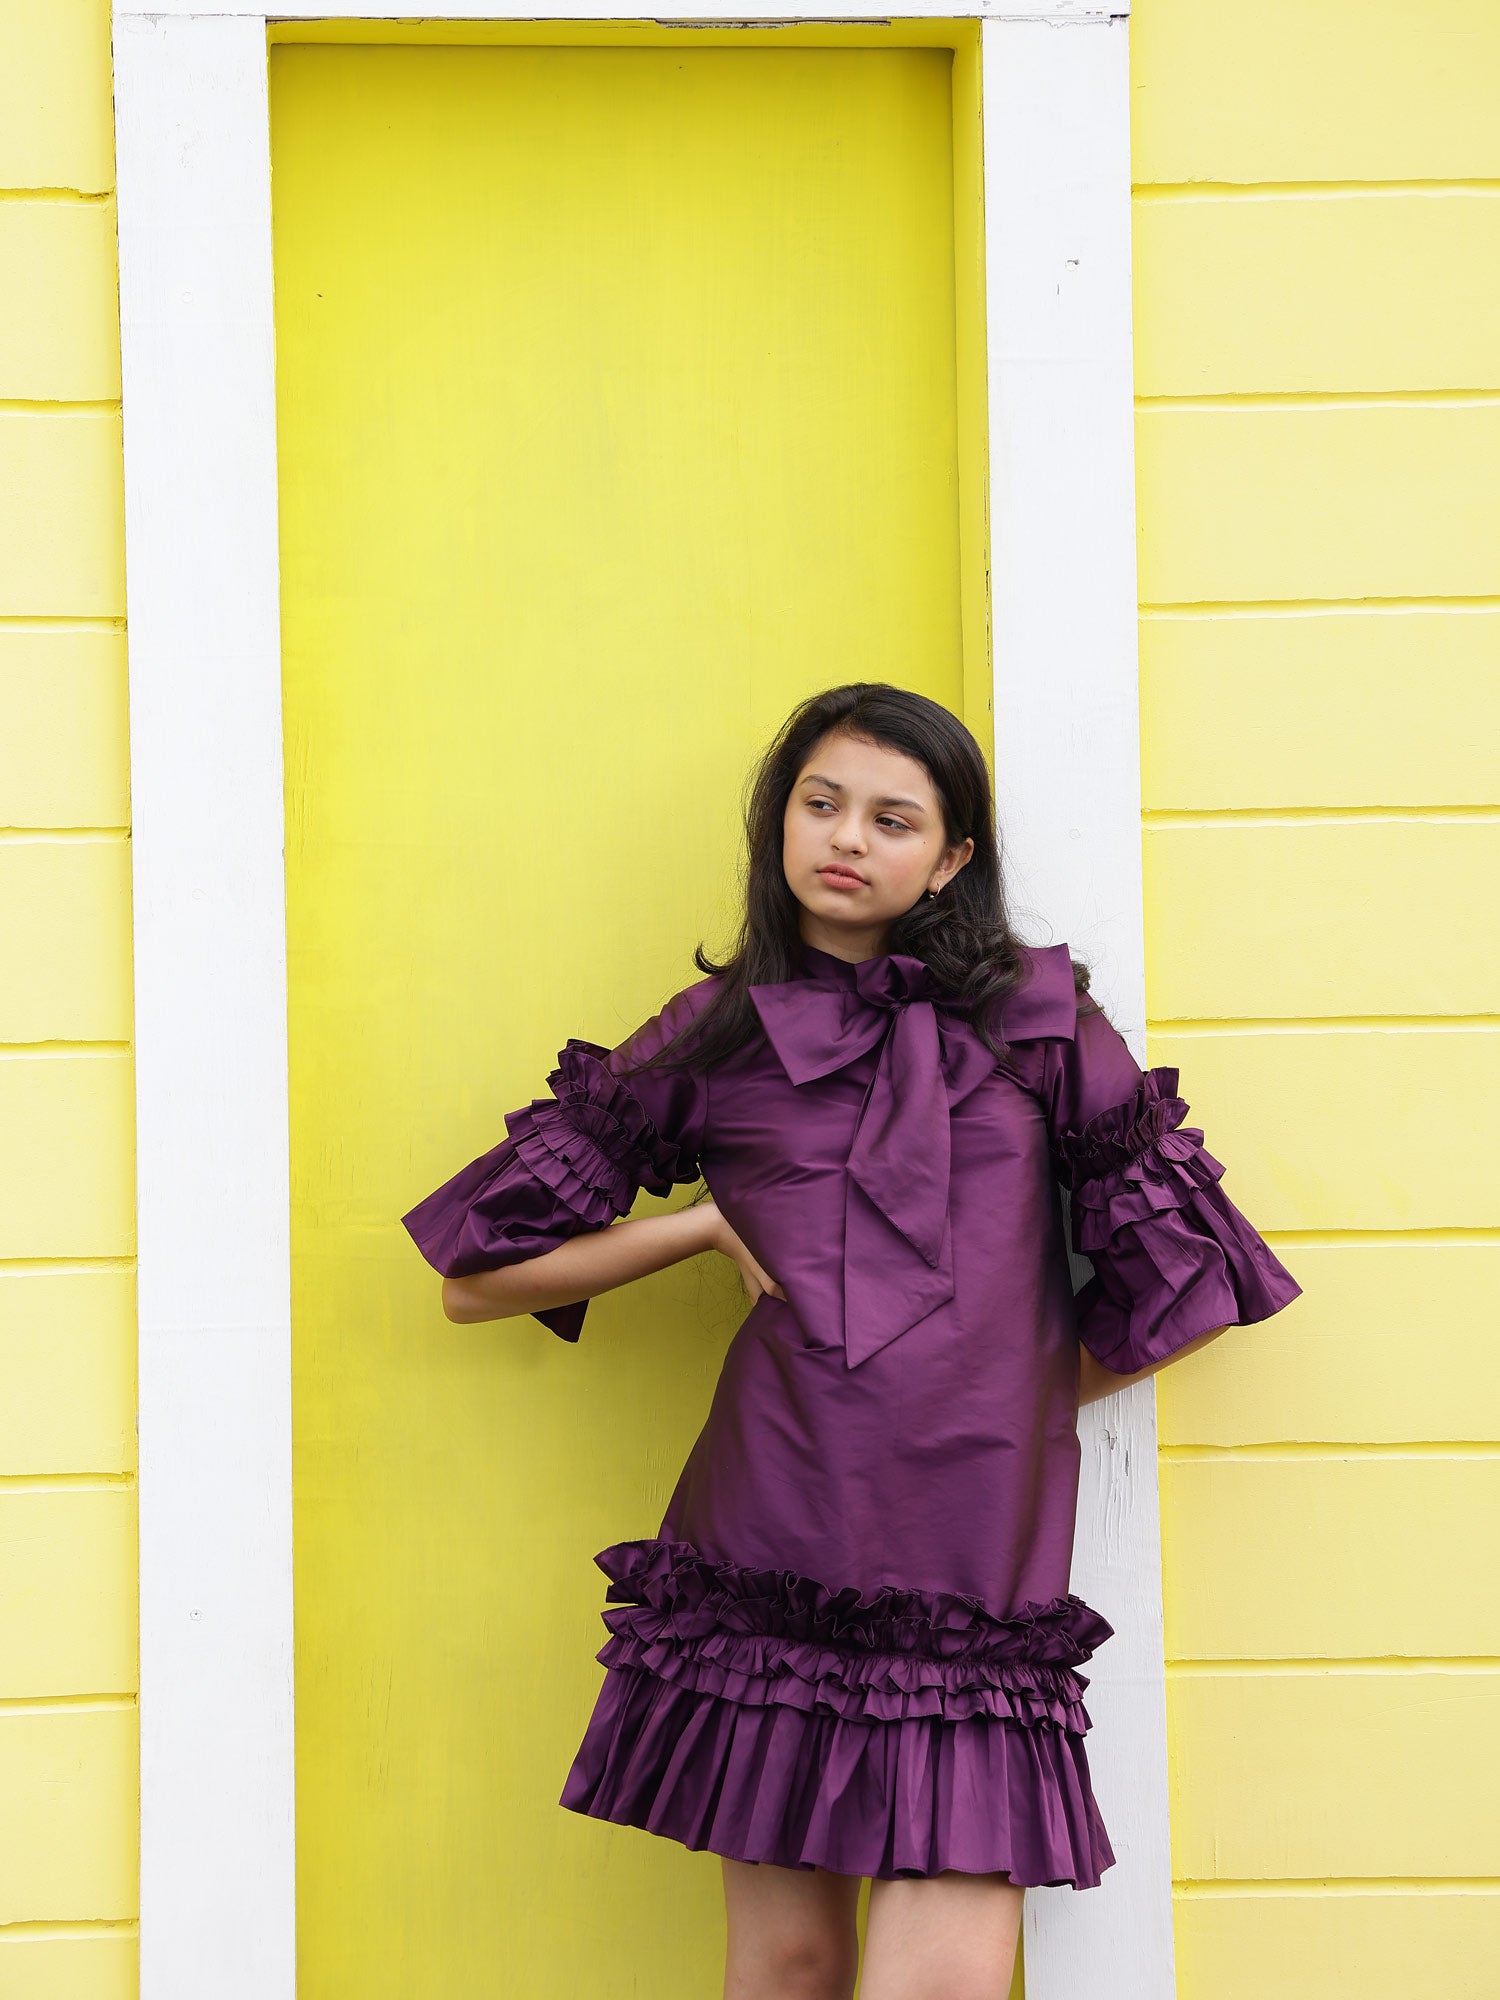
[{"x": 850, "y": 1649}]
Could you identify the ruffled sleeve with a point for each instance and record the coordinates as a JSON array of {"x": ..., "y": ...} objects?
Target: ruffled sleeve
[
  {"x": 1173, "y": 1256},
  {"x": 573, "y": 1161}
]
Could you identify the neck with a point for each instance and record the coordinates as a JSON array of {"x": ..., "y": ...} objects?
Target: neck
[{"x": 853, "y": 945}]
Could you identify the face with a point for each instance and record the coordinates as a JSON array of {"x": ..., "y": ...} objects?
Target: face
[{"x": 862, "y": 841}]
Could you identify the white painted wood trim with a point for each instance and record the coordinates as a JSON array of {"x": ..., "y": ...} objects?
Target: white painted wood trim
[
  {"x": 217, "y": 1891},
  {"x": 217, "y": 1905},
  {"x": 733, "y": 11},
  {"x": 1067, "y": 766}
]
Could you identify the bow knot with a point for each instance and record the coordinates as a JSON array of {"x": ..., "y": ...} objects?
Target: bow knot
[
  {"x": 894, "y": 980},
  {"x": 898, "y": 1243},
  {"x": 898, "y": 1249}
]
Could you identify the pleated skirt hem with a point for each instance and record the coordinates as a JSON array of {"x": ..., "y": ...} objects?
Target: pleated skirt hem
[{"x": 887, "y": 1800}]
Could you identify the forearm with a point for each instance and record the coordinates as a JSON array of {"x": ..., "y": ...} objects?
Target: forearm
[
  {"x": 1095, "y": 1380},
  {"x": 597, "y": 1261}
]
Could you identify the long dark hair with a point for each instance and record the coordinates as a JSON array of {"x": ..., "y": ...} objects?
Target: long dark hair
[{"x": 964, "y": 935}]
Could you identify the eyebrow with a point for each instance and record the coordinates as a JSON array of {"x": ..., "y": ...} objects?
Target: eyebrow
[{"x": 833, "y": 785}]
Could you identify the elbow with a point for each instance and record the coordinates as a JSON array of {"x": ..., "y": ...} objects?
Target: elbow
[
  {"x": 459, "y": 1303},
  {"x": 471, "y": 1301}
]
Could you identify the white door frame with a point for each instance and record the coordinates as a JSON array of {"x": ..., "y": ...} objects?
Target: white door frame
[{"x": 193, "y": 161}]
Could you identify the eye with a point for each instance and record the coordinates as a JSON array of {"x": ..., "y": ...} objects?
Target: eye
[{"x": 898, "y": 825}]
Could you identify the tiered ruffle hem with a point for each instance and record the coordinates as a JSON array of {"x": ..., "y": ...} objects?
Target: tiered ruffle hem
[{"x": 765, "y": 1716}]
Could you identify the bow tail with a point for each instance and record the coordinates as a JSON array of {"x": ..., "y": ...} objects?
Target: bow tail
[{"x": 888, "y": 1285}]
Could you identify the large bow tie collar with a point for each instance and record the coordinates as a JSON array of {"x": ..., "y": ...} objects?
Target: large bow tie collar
[{"x": 898, "y": 1248}]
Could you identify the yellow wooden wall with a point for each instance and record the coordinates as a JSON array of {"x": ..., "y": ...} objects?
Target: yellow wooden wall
[
  {"x": 1317, "y": 244},
  {"x": 68, "y": 1800},
  {"x": 1318, "y": 353},
  {"x": 659, "y": 431}
]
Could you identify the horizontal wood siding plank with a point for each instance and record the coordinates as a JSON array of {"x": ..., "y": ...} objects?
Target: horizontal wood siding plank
[
  {"x": 69, "y": 1779},
  {"x": 1382, "y": 1944},
  {"x": 1313, "y": 90},
  {"x": 102, "y": 1967},
  {"x": 1302, "y": 1776},
  {"x": 67, "y": 1592},
  {"x": 1354, "y": 1558},
  {"x": 56, "y": 105},
  {"x": 1341, "y": 708},
  {"x": 62, "y": 515},
  {"x": 1390, "y": 1343},
  {"x": 1363, "y": 1129},
  {"x": 59, "y": 337},
  {"x": 105, "y": 1967},
  {"x": 65, "y": 916},
  {"x": 67, "y": 1176},
  {"x": 1317, "y": 339},
  {"x": 1351, "y": 918},
  {"x": 67, "y": 1358},
  {"x": 1259, "y": 503},
  {"x": 64, "y": 748},
  {"x": 1344, "y": 292}
]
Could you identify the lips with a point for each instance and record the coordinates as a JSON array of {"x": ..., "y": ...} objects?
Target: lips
[{"x": 843, "y": 877}]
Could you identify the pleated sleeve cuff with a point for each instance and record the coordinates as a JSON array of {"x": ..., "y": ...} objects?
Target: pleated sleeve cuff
[
  {"x": 570, "y": 1163},
  {"x": 1173, "y": 1257}
]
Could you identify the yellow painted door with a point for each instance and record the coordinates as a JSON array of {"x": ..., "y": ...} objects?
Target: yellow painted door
[{"x": 618, "y": 409}]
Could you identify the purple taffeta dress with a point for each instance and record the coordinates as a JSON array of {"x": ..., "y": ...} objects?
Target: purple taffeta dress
[{"x": 851, "y": 1643}]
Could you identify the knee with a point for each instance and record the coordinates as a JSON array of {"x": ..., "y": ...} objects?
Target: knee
[
  {"x": 801, "y": 1965},
  {"x": 967, "y": 1985}
]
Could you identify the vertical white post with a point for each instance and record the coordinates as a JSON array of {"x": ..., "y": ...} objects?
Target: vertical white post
[
  {"x": 210, "y": 987},
  {"x": 1062, "y": 512}
]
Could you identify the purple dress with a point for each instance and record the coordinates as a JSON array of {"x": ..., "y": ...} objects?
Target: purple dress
[{"x": 851, "y": 1642}]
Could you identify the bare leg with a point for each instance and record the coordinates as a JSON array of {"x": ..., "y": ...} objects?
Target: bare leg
[
  {"x": 941, "y": 1937},
  {"x": 792, "y": 1932}
]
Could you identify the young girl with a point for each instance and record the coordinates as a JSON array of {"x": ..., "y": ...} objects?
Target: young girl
[{"x": 850, "y": 1649}]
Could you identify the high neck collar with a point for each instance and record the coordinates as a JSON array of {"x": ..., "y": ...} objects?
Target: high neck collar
[{"x": 818, "y": 964}]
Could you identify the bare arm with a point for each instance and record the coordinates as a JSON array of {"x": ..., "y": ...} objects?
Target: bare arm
[
  {"x": 1095, "y": 1380},
  {"x": 599, "y": 1261}
]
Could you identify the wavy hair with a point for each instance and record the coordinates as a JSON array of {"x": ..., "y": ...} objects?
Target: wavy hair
[{"x": 964, "y": 935}]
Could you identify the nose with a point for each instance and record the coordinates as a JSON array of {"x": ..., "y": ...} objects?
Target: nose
[{"x": 848, "y": 838}]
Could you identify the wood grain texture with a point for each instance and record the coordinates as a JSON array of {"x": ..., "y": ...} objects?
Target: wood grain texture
[{"x": 645, "y": 447}]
